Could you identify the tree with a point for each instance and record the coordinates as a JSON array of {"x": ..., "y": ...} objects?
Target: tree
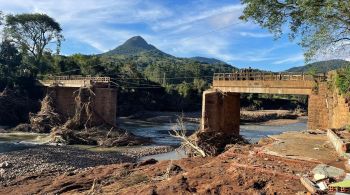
[
  {"x": 33, "y": 33},
  {"x": 323, "y": 25},
  {"x": 1, "y": 17},
  {"x": 10, "y": 60}
]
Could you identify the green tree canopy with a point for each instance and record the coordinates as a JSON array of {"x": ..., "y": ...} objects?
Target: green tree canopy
[
  {"x": 323, "y": 25},
  {"x": 33, "y": 32},
  {"x": 10, "y": 60}
]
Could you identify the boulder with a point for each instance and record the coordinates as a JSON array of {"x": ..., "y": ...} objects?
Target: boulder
[{"x": 5, "y": 164}]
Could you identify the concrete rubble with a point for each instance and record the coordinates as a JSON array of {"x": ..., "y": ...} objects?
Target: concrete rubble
[{"x": 323, "y": 171}]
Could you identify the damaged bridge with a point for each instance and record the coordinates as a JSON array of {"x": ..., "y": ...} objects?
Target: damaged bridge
[
  {"x": 104, "y": 100},
  {"x": 221, "y": 104}
]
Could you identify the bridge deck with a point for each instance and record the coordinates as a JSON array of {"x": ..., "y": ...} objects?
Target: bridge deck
[
  {"x": 74, "y": 81},
  {"x": 271, "y": 83}
]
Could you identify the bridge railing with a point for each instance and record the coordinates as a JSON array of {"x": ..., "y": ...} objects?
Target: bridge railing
[
  {"x": 267, "y": 76},
  {"x": 78, "y": 77}
]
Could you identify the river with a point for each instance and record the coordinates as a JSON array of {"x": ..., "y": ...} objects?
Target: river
[{"x": 159, "y": 132}]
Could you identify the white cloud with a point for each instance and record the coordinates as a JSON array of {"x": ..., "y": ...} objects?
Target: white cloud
[
  {"x": 208, "y": 28},
  {"x": 216, "y": 17},
  {"x": 291, "y": 59},
  {"x": 255, "y": 35}
]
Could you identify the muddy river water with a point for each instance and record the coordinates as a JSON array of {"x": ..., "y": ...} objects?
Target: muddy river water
[{"x": 157, "y": 131}]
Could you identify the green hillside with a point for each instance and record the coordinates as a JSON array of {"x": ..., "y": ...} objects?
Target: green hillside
[
  {"x": 321, "y": 66},
  {"x": 156, "y": 65},
  {"x": 134, "y": 46},
  {"x": 208, "y": 60}
]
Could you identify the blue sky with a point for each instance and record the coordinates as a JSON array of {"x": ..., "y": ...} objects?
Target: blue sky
[{"x": 181, "y": 28}]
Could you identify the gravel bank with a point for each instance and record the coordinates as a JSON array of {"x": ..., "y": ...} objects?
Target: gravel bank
[{"x": 45, "y": 159}]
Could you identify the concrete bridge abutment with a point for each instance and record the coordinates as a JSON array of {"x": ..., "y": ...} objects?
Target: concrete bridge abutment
[
  {"x": 221, "y": 112},
  {"x": 104, "y": 103}
]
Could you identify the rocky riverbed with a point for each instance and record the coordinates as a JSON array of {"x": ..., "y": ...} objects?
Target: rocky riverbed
[{"x": 45, "y": 159}]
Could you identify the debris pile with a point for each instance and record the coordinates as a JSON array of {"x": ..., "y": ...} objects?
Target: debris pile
[
  {"x": 326, "y": 179},
  {"x": 82, "y": 118},
  {"x": 204, "y": 143},
  {"x": 80, "y": 128},
  {"x": 214, "y": 143},
  {"x": 46, "y": 118}
]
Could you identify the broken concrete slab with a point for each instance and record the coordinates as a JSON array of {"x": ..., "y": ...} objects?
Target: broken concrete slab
[
  {"x": 340, "y": 146},
  {"x": 309, "y": 185},
  {"x": 322, "y": 171},
  {"x": 300, "y": 145}
]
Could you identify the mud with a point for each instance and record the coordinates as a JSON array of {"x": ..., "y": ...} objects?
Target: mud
[{"x": 240, "y": 170}]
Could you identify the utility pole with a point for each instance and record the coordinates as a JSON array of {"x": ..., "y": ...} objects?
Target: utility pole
[{"x": 164, "y": 81}]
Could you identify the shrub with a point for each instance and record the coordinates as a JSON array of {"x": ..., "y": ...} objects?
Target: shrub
[{"x": 343, "y": 81}]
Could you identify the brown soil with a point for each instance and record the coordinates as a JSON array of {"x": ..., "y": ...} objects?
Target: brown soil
[{"x": 240, "y": 170}]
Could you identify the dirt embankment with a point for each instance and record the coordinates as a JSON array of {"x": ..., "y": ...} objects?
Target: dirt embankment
[
  {"x": 257, "y": 116},
  {"x": 240, "y": 170}
]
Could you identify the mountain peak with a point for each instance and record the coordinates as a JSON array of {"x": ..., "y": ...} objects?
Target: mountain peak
[
  {"x": 136, "y": 41},
  {"x": 132, "y": 46}
]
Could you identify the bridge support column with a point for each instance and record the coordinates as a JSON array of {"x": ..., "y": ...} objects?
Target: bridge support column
[{"x": 221, "y": 112}]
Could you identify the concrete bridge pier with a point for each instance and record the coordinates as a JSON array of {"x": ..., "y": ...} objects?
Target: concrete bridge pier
[{"x": 221, "y": 112}]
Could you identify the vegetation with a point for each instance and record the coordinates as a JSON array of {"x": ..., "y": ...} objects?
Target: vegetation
[
  {"x": 320, "y": 67},
  {"x": 146, "y": 77},
  {"x": 343, "y": 81},
  {"x": 31, "y": 33},
  {"x": 321, "y": 26}
]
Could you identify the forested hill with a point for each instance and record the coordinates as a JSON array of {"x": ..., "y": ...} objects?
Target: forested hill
[
  {"x": 134, "y": 46},
  {"x": 321, "y": 66},
  {"x": 155, "y": 64},
  {"x": 151, "y": 79},
  {"x": 208, "y": 60}
]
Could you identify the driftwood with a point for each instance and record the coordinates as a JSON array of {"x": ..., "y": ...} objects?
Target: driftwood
[
  {"x": 187, "y": 143},
  {"x": 83, "y": 109},
  {"x": 203, "y": 142},
  {"x": 309, "y": 185},
  {"x": 47, "y": 117},
  {"x": 79, "y": 128}
]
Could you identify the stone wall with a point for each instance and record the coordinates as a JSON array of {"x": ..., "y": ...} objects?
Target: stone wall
[
  {"x": 340, "y": 113},
  {"x": 327, "y": 109},
  {"x": 105, "y": 103},
  {"x": 318, "y": 108}
]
